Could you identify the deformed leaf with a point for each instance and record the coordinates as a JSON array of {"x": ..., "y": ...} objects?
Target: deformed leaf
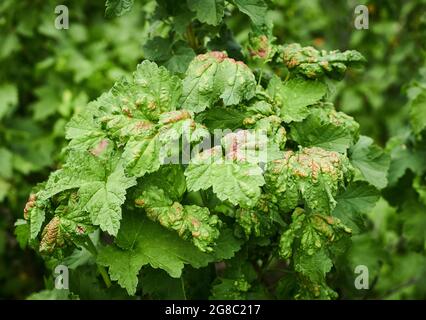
[{"x": 213, "y": 76}]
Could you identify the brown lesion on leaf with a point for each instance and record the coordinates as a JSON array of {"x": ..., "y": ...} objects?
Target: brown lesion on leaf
[
  {"x": 31, "y": 202},
  {"x": 50, "y": 237},
  {"x": 152, "y": 105},
  {"x": 127, "y": 112},
  {"x": 140, "y": 202},
  {"x": 175, "y": 116},
  {"x": 143, "y": 125},
  {"x": 80, "y": 230},
  {"x": 218, "y": 55}
]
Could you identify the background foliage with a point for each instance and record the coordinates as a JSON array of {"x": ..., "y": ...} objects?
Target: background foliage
[{"x": 47, "y": 75}]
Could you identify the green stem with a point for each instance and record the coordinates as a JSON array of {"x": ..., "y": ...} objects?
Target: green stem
[
  {"x": 260, "y": 76},
  {"x": 104, "y": 275},
  {"x": 90, "y": 246},
  {"x": 191, "y": 38},
  {"x": 183, "y": 288}
]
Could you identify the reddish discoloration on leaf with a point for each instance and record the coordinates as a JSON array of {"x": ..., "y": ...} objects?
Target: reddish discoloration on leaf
[
  {"x": 80, "y": 230},
  {"x": 175, "y": 116},
  {"x": 100, "y": 147}
]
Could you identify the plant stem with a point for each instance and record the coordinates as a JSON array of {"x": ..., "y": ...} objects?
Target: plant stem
[
  {"x": 90, "y": 246},
  {"x": 104, "y": 275},
  {"x": 183, "y": 288}
]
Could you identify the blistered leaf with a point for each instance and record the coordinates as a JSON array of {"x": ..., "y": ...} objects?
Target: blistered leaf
[
  {"x": 236, "y": 181},
  {"x": 146, "y": 152},
  {"x": 160, "y": 193},
  {"x": 312, "y": 176},
  {"x": 213, "y": 76},
  {"x": 313, "y": 63},
  {"x": 101, "y": 185},
  {"x": 146, "y": 242},
  {"x": 308, "y": 242}
]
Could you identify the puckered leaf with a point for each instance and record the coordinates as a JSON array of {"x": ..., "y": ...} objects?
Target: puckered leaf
[
  {"x": 262, "y": 220},
  {"x": 236, "y": 181},
  {"x": 101, "y": 185},
  {"x": 159, "y": 194},
  {"x": 312, "y": 175},
  {"x": 213, "y": 76},
  {"x": 309, "y": 241},
  {"x": 208, "y": 11},
  {"x": 141, "y": 242},
  {"x": 313, "y": 63},
  {"x": 371, "y": 161},
  {"x": 327, "y": 129},
  {"x": 145, "y": 153},
  {"x": 68, "y": 223}
]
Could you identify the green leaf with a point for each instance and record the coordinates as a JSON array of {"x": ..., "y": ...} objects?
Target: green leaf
[
  {"x": 213, "y": 76},
  {"x": 208, "y": 11},
  {"x": 160, "y": 193},
  {"x": 22, "y": 232},
  {"x": 418, "y": 113},
  {"x": 371, "y": 161},
  {"x": 83, "y": 132},
  {"x": 101, "y": 185},
  {"x": 359, "y": 198},
  {"x": 182, "y": 56},
  {"x": 295, "y": 95},
  {"x": 159, "y": 285},
  {"x": 222, "y": 118},
  {"x": 404, "y": 157},
  {"x": 8, "y": 99},
  {"x": 236, "y": 181},
  {"x": 117, "y": 7},
  {"x": 36, "y": 217},
  {"x": 255, "y": 9},
  {"x": 6, "y": 163},
  {"x": 230, "y": 289},
  {"x": 157, "y": 49},
  {"x": 151, "y": 244},
  {"x": 327, "y": 129},
  {"x": 4, "y": 189}
]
